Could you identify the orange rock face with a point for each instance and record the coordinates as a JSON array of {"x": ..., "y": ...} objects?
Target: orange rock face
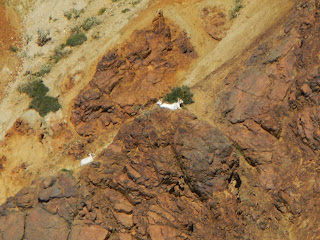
[
  {"x": 132, "y": 76},
  {"x": 272, "y": 105},
  {"x": 165, "y": 175}
]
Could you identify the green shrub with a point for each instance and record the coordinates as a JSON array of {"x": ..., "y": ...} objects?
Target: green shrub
[
  {"x": 75, "y": 13},
  {"x": 134, "y": 3},
  {"x": 102, "y": 11},
  {"x": 76, "y": 39},
  {"x": 125, "y": 10},
  {"x": 13, "y": 48},
  {"x": 43, "y": 37},
  {"x": 35, "y": 89},
  {"x": 90, "y": 22},
  {"x": 183, "y": 93},
  {"x": 66, "y": 170},
  {"x": 42, "y": 103},
  {"x": 59, "y": 53},
  {"x": 45, "y": 104},
  {"x": 46, "y": 68},
  {"x": 236, "y": 10},
  {"x": 68, "y": 14}
]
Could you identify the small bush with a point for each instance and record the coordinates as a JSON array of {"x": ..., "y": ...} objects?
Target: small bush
[
  {"x": 42, "y": 103},
  {"x": 43, "y": 37},
  {"x": 35, "y": 89},
  {"x": 236, "y": 10},
  {"x": 13, "y": 49},
  {"x": 102, "y": 11},
  {"x": 66, "y": 170},
  {"x": 134, "y": 3},
  {"x": 46, "y": 68},
  {"x": 45, "y": 104},
  {"x": 125, "y": 10},
  {"x": 59, "y": 53},
  {"x": 90, "y": 22},
  {"x": 75, "y": 13},
  {"x": 179, "y": 92},
  {"x": 76, "y": 39},
  {"x": 68, "y": 14}
]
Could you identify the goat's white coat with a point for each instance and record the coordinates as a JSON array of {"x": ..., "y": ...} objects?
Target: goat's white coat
[
  {"x": 173, "y": 106},
  {"x": 87, "y": 159}
]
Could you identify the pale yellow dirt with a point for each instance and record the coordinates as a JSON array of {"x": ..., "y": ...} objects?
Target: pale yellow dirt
[{"x": 71, "y": 74}]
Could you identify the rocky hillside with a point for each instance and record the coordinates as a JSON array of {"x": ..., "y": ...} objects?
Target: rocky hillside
[{"x": 241, "y": 162}]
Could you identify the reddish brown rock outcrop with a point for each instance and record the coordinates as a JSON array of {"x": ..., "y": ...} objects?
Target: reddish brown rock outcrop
[
  {"x": 271, "y": 103},
  {"x": 131, "y": 76},
  {"x": 214, "y": 22},
  {"x": 167, "y": 175}
]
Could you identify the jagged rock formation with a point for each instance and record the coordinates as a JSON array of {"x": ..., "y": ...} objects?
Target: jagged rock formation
[
  {"x": 129, "y": 78},
  {"x": 272, "y": 108},
  {"x": 167, "y": 175}
]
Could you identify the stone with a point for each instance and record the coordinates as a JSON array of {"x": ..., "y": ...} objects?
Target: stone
[
  {"x": 88, "y": 232},
  {"x": 43, "y": 225},
  {"x": 50, "y": 193},
  {"x": 12, "y": 226}
]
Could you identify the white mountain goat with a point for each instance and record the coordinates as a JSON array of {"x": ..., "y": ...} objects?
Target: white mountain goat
[
  {"x": 87, "y": 159},
  {"x": 173, "y": 106}
]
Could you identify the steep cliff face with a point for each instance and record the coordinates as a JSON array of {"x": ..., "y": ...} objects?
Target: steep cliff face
[
  {"x": 268, "y": 107},
  {"x": 242, "y": 162}
]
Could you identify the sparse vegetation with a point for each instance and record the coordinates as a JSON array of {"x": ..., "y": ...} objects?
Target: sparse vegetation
[
  {"x": 43, "y": 37},
  {"x": 68, "y": 14},
  {"x": 90, "y": 22},
  {"x": 59, "y": 53},
  {"x": 75, "y": 13},
  {"x": 66, "y": 170},
  {"x": 134, "y": 3},
  {"x": 42, "y": 103},
  {"x": 183, "y": 93},
  {"x": 46, "y": 68},
  {"x": 13, "y": 48},
  {"x": 77, "y": 38},
  {"x": 236, "y": 10},
  {"x": 102, "y": 11},
  {"x": 125, "y": 10}
]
